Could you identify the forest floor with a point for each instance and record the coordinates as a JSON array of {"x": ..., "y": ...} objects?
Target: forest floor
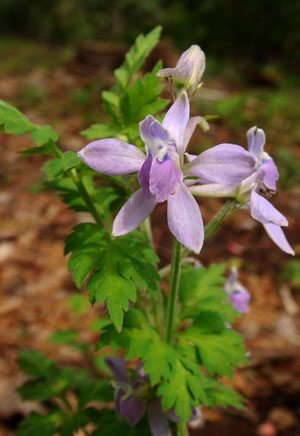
[{"x": 62, "y": 87}]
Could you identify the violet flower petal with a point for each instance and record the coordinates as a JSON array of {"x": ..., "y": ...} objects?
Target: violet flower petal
[
  {"x": 118, "y": 368},
  {"x": 240, "y": 300},
  {"x": 133, "y": 213},
  {"x": 263, "y": 211},
  {"x": 278, "y": 237},
  {"x": 132, "y": 410},
  {"x": 112, "y": 156},
  {"x": 190, "y": 128},
  {"x": 164, "y": 178},
  {"x": 184, "y": 219},
  {"x": 144, "y": 177},
  {"x": 270, "y": 174},
  {"x": 224, "y": 164},
  {"x": 256, "y": 141},
  {"x": 158, "y": 422},
  {"x": 176, "y": 119}
]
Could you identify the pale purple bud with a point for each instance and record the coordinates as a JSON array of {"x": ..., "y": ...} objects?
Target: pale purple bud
[
  {"x": 238, "y": 295},
  {"x": 188, "y": 71}
]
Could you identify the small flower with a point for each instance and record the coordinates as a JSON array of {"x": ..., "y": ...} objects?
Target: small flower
[
  {"x": 238, "y": 295},
  {"x": 254, "y": 191},
  {"x": 163, "y": 173},
  {"x": 188, "y": 71},
  {"x": 134, "y": 398}
]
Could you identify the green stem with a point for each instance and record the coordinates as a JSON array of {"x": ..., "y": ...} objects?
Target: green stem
[
  {"x": 182, "y": 429},
  {"x": 174, "y": 285},
  {"x": 217, "y": 221},
  {"x": 84, "y": 194}
]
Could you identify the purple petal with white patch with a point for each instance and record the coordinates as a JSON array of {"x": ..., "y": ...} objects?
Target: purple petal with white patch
[
  {"x": 270, "y": 174},
  {"x": 164, "y": 178},
  {"x": 263, "y": 211},
  {"x": 112, "y": 156},
  {"x": 224, "y": 163},
  {"x": 184, "y": 219},
  {"x": 133, "y": 213},
  {"x": 278, "y": 237},
  {"x": 176, "y": 119},
  {"x": 144, "y": 177},
  {"x": 153, "y": 134}
]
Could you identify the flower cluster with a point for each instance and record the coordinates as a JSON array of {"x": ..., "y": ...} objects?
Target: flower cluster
[{"x": 167, "y": 173}]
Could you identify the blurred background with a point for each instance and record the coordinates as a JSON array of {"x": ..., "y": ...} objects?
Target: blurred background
[{"x": 56, "y": 58}]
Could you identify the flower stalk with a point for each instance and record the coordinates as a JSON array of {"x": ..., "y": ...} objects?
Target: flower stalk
[
  {"x": 174, "y": 285},
  {"x": 85, "y": 195}
]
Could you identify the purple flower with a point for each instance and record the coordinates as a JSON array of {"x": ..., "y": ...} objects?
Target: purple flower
[
  {"x": 163, "y": 173},
  {"x": 238, "y": 295},
  {"x": 189, "y": 69},
  {"x": 134, "y": 398},
  {"x": 254, "y": 191}
]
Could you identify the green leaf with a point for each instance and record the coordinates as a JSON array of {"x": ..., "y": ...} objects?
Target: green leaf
[
  {"x": 37, "y": 424},
  {"x": 94, "y": 390},
  {"x": 98, "y": 131},
  {"x": 76, "y": 420},
  {"x": 142, "y": 98},
  {"x": 200, "y": 289},
  {"x": 34, "y": 362},
  {"x": 136, "y": 56},
  {"x": 43, "y": 149},
  {"x": 109, "y": 425},
  {"x": 55, "y": 167},
  {"x": 220, "y": 348},
  {"x": 225, "y": 396},
  {"x": 180, "y": 391},
  {"x": 117, "y": 265},
  {"x": 61, "y": 336},
  {"x": 16, "y": 123}
]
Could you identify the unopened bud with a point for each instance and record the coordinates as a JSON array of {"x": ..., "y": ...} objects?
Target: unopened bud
[{"x": 188, "y": 71}]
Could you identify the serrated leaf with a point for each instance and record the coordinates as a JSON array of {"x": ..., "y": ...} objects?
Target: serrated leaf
[
  {"x": 180, "y": 391},
  {"x": 76, "y": 420},
  {"x": 117, "y": 265},
  {"x": 225, "y": 396},
  {"x": 136, "y": 56},
  {"x": 200, "y": 289},
  {"x": 98, "y": 131},
  {"x": 220, "y": 349},
  {"x": 37, "y": 424},
  {"x": 142, "y": 98},
  {"x": 43, "y": 134},
  {"x": 55, "y": 167},
  {"x": 16, "y": 123},
  {"x": 43, "y": 149},
  {"x": 34, "y": 362}
]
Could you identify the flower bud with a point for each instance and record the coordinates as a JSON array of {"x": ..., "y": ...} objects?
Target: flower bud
[{"x": 188, "y": 71}]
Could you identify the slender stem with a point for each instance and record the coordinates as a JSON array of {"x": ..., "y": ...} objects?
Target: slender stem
[
  {"x": 182, "y": 429},
  {"x": 146, "y": 226},
  {"x": 85, "y": 195},
  {"x": 212, "y": 227},
  {"x": 174, "y": 285},
  {"x": 217, "y": 221}
]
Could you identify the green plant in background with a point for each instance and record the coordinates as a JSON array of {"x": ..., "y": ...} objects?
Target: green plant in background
[{"x": 182, "y": 341}]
